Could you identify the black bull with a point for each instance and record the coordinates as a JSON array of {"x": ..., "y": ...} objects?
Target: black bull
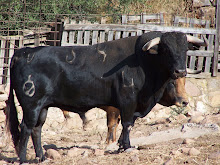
[{"x": 123, "y": 73}]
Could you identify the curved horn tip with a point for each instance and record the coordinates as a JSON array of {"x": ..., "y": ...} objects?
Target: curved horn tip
[
  {"x": 196, "y": 40},
  {"x": 151, "y": 43}
]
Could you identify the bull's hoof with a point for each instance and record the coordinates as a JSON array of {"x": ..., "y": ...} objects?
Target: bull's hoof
[
  {"x": 39, "y": 160},
  {"x": 125, "y": 148},
  {"x": 22, "y": 161}
]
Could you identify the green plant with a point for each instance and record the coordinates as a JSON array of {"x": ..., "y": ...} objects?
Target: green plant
[{"x": 177, "y": 110}]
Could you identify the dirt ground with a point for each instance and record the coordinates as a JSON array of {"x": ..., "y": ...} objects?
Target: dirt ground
[{"x": 79, "y": 147}]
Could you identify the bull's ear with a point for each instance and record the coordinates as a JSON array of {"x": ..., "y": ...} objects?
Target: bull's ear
[
  {"x": 197, "y": 41},
  {"x": 153, "y": 50},
  {"x": 151, "y": 43}
]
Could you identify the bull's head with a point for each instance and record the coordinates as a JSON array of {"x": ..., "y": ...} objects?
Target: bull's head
[{"x": 174, "y": 46}]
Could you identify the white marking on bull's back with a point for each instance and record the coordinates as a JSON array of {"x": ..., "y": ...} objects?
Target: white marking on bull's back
[
  {"x": 29, "y": 87},
  {"x": 73, "y": 54},
  {"x": 30, "y": 57},
  {"x": 132, "y": 82},
  {"x": 102, "y": 52}
]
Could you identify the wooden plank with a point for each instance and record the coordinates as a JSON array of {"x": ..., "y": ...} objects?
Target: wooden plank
[
  {"x": 72, "y": 33},
  {"x": 87, "y": 37},
  {"x": 79, "y": 37},
  {"x": 133, "y": 18},
  {"x": 11, "y": 52},
  {"x": 102, "y": 37},
  {"x": 10, "y": 37},
  {"x": 72, "y": 36},
  {"x": 95, "y": 37},
  {"x": 21, "y": 42},
  {"x": 152, "y": 16},
  {"x": 117, "y": 35},
  {"x": 201, "y": 75},
  {"x": 201, "y": 53},
  {"x": 143, "y": 18},
  {"x": 200, "y": 63},
  {"x": 139, "y": 32},
  {"x": 209, "y": 59},
  {"x": 200, "y": 60},
  {"x": 74, "y": 44},
  {"x": 191, "y": 21},
  {"x": 2, "y": 55},
  {"x": 192, "y": 61},
  {"x": 133, "y": 33},
  {"x": 125, "y": 34},
  {"x": 124, "y": 19},
  {"x": 110, "y": 35},
  {"x": 161, "y": 19},
  {"x": 64, "y": 37},
  {"x": 216, "y": 52},
  {"x": 116, "y": 27},
  {"x": 30, "y": 41}
]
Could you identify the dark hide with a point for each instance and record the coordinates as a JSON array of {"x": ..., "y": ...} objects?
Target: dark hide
[
  {"x": 174, "y": 94},
  {"x": 116, "y": 73}
]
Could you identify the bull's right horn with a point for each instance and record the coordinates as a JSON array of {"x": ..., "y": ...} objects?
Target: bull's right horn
[
  {"x": 151, "y": 43},
  {"x": 191, "y": 71},
  {"x": 197, "y": 41}
]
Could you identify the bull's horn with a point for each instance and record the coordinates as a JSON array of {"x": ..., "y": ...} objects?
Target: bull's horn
[
  {"x": 191, "y": 71},
  {"x": 197, "y": 41},
  {"x": 151, "y": 43}
]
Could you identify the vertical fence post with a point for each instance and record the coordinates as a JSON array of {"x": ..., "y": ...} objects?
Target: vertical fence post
[
  {"x": 216, "y": 49},
  {"x": 2, "y": 57},
  {"x": 36, "y": 40},
  {"x": 124, "y": 19}
]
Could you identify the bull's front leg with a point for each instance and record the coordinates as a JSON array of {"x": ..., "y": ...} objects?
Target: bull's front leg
[{"x": 127, "y": 123}]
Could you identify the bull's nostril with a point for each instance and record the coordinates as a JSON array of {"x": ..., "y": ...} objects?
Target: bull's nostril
[{"x": 184, "y": 103}]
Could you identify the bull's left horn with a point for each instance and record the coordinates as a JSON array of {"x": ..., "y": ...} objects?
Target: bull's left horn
[
  {"x": 197, "y": 41},
  {"x": 151, "y": 43}
]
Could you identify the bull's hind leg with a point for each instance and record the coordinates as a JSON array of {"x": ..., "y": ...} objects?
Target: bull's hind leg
[
  {"x": 29, "y": 121},
  {"x": 36, "y": 134},
  {"x": 113, "y": 118},
  {"x": 24, "y": 136}
]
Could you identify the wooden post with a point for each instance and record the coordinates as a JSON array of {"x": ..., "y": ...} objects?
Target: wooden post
[
  {"x": 36, "y": 40},
  {"x": 2, "y": 57},
  {"x": 124, "y": 19},
  {"x": 216, "y": 49}
]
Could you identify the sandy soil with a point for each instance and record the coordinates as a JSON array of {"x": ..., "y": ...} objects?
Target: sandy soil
[{"x": 78, "y": 146}]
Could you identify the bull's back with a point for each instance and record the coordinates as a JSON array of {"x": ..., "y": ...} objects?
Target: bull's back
[{"x": 59, "y": 75}]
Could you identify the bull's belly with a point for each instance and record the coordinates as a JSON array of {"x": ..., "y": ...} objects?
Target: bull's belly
[{"x": 83, "y": 97}]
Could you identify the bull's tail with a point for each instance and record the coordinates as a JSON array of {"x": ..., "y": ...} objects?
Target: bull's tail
[{"x": 12, "y": 122}]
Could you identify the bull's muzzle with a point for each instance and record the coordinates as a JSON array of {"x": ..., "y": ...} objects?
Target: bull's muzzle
[{"x": 182, "y": 102}]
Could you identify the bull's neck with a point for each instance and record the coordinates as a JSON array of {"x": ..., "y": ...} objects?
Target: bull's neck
[{"x": 156, "y": 79}]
